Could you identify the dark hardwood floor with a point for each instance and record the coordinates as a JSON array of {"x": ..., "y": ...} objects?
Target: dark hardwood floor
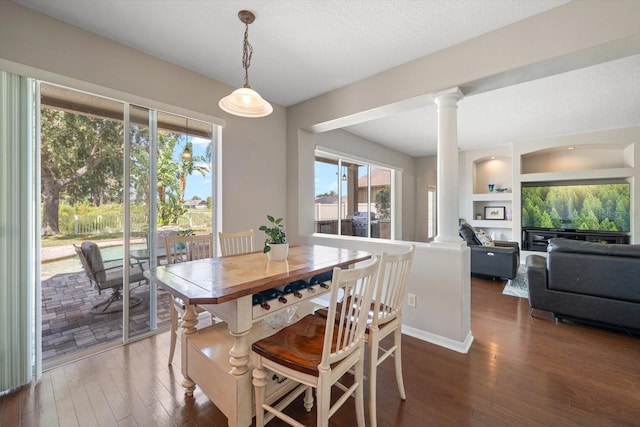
[{"x": 520, "y": 371}]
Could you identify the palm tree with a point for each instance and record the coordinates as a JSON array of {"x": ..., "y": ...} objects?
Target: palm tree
[{"x": 191, "y": 164}]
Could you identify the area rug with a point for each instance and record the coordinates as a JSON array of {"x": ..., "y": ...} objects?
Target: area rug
[{"x": 517, "y": 286}]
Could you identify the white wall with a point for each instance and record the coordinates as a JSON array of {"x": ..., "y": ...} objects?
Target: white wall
[
  {"x": 440, "y": 280},
  {"x": 253, "y": 153}
]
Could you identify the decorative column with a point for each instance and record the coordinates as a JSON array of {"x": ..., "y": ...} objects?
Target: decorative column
[{"x": 448, "y": 190}]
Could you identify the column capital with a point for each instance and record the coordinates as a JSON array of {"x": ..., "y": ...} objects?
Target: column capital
[{"x": 453, "y": 94}]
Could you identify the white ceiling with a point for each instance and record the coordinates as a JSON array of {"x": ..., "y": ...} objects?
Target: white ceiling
[{"x": 304, "y": 48}]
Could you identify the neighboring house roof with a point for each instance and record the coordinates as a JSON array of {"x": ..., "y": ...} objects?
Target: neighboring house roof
[
  {"x": 195, "y": 203},
  {"x": 379, "y": 178},
  {"x": 326, "y": 200}
]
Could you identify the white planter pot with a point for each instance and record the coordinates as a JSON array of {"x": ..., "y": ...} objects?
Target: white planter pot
[{"x": 278, "y": 252}]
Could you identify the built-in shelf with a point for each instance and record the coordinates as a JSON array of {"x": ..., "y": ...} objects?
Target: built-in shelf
[
  {"x": 491, "y": 224},
  {"x": 577, "y": 175},
  {"x": 488, "y": 197},
  {"x": 606, "y": 156},
  {"x": 490, "y": 168},
  {"x": 589, "y": 158},
  {"x": 493, "y": 170}
]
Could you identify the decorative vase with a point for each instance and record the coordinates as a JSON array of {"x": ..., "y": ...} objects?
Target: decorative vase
[{"x": 278, "y": 251}]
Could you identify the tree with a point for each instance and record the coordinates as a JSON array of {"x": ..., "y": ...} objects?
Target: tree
[
  {"x": 556, "y": 219},
  {"x": 190, "y": 165},
  {"x": 139, "y": 166},
  {"x": 79, "y": 154},
  {"x": 328, "y": 194},
  {"x": 383, "y": 202}
]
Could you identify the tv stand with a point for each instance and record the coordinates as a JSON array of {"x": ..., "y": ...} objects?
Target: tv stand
[{"x": 537, "y": 239}]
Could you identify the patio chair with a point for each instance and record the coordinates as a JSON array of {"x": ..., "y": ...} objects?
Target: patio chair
[
  {"x": 181, "y": 249},
  {"x": 316, "y": 352},
  {"x": 108, "y": 275},
  {"x": 235, "y": 243}
]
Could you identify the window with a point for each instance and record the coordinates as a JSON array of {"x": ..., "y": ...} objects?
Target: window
[{"x": 352, "y": 197}]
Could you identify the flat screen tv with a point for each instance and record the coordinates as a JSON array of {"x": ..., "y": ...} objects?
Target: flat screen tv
[{"x": 592, "y": 206}]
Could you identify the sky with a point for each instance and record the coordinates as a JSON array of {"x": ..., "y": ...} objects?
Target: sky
[
  {"x": 198, "y": 185},
  {"x": 325, "y": 178}
]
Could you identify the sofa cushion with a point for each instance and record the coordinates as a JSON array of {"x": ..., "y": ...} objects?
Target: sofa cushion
[
  {"x": 579, "y": 246},
  {"x": 468, "y": 234},
  {"x": 594, "y": 269}
]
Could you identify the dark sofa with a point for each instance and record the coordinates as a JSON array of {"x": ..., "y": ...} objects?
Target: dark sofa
[
  {"x": 594, "y": 282},
  {"x": 501, "y": 260}
]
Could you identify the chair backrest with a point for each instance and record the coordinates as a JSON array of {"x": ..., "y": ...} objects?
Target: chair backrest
[
  {"x": 392, "y": 285},
  {"x": 240, "y": 242},
  {"x": 85, "y": 263},
  {"x": 188, "y": 248},
  {"x": 347, "y": 321},
  {"x": 92, "y": 263}
]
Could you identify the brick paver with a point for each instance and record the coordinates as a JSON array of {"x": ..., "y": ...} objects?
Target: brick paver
[{"x": 68, "y": 325}]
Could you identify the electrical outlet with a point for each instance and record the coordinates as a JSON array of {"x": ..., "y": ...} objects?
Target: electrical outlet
[{"x": 411, "y": 300}]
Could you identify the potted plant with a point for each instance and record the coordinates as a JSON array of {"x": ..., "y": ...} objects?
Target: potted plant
[{"x": 275, "y": 244}]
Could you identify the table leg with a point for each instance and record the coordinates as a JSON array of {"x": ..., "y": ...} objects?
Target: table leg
[
  {"x": 239, "y": 353},
  {"x": 189, "y": 322}
]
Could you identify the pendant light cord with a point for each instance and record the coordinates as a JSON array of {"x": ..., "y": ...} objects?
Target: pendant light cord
[{"x": 247, "y": 51}]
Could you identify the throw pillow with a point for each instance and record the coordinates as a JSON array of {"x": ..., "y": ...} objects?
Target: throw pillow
[{"x": 484, "y": 239}]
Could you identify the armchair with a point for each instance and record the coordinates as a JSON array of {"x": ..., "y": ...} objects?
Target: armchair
[{"x": 501, "y": 259}]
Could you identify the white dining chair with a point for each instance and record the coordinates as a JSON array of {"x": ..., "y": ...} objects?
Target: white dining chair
[
  {"x": 181, "y": 249},
  {"x": 317, "y": 351},
  {"x": 386, "y": 319},
  {"x": 234, "y": 243}
]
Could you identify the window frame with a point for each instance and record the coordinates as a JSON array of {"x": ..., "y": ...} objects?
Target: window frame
[{"x": 395, "y": 187}]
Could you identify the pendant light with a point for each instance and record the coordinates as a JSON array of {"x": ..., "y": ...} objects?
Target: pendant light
[
  {"x": 186, "y": 153},
  {"x": 246, "y": 102}
]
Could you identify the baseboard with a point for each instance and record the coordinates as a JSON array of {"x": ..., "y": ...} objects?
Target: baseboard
[{"x": 459, "y": 346}]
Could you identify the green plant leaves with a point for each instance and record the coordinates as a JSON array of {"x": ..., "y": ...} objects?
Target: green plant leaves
[{"x": 275, "y": 234}]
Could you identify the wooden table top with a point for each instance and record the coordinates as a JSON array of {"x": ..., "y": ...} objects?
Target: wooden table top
[{"x": 217, "y": 280}]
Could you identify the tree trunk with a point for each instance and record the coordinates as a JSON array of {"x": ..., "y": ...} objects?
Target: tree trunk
[
  {"x": 52, "y": 186},
  {"x": 183, "y": 185},
  {"x": 51, "y": 199}
]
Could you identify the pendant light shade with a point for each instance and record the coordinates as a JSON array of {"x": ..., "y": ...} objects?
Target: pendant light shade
[{"x": 246, "y": 102}]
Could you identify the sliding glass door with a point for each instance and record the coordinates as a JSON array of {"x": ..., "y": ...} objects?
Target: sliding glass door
[
  {"x": 170, "y": 192},
  {"x": 115, "y": 179},
  {"x": 81, "y": 168}
]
